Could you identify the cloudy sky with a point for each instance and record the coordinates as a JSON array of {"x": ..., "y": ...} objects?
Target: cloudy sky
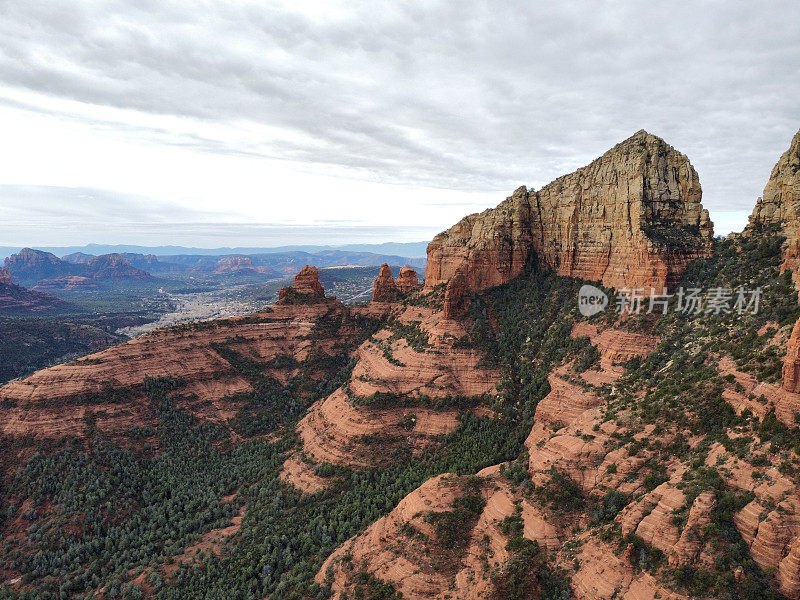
[{"x": 263, "y": 123}]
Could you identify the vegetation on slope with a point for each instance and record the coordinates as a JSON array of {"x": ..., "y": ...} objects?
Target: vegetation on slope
[{"x": 97, "y": 515}]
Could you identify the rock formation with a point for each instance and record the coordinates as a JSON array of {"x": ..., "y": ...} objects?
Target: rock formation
[
  {"x": 384, "y": 289},
  {"x": 5, "y": 276},
  {"x": 631, "y": 218},
  {"x": 306, "y": 287},
  {"x": 113, "y": 266},
  {"x": 779, "y": 205},
  {"x": 791, "y": 363},
  {"x": 29, "y": 266},
  {"x": 779, "y": 208},
  {"x": 456, "y": 296},
  {"x": 407, "y": 280}
]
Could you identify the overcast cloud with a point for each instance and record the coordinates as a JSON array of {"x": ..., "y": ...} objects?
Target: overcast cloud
[{"x": 401, "y": 115}]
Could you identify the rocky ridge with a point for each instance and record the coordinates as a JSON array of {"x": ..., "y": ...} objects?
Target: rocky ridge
[{"x": 632, "y": 218}]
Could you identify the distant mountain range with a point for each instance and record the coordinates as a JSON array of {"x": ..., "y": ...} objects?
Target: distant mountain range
[
  {"x": 406, "y": 249},
  {"x": 46, "y": 271}
]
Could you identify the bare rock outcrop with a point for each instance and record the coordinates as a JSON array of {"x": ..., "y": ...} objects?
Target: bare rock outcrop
[
  {"x": 779, "y": 205},
  {"x": 306, "y": 287},
  {"x": 779, "y": 208},
  {"x": 5, "y": 276},
  {"x": 384, "y": 289},
  {"x": 690, "y": 545},
  {"x": 632, "y": 218},
  {"x": 407, "y": 280},
  {"x": 456, "y": 296},
  {"x": 43, "y": 404},
  {"x": 791, "y": 363}
]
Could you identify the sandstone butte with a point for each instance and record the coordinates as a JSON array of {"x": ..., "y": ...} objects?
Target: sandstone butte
[
  {"x": 386, "y": 289},
  {"x": 407, "y": 280},
  {"x": 632, "y": 218},
  {"x": 5, "y": 276},
  {"x": 306, "y": 285},
  {"x": 779, "y": 207}
]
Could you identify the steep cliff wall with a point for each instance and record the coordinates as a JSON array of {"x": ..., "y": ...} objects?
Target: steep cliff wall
[
  {"x": 779, "y": 207},
  {"x": 631, "y": 218}
]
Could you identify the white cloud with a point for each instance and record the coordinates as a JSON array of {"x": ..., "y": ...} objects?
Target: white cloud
[{"x": 401, "y": 114}]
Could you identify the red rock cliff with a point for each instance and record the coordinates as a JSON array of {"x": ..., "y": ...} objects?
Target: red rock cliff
[
  {"x": 5, "y": 276},
  {"x": 631, "y": 218},
  {"x": 779, "y": 208},
  {"x": 779, "y": 205}
]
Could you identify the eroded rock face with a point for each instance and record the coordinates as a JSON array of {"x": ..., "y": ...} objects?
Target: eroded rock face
[
  {"x": 384, "y": 289},
  {"x": 688, "y": 548},
  {"x": 631, "y": 218},
  {"x": 306, "y": 285},
  {"x": 456, "y": 296},
  {"x": 779, "y": 205},
  {"x": 5, "y": 276},
  {"x": 407, "y": 280},
  {"x": 779, "y": 208},
  {"x": 791, "y": 364}
]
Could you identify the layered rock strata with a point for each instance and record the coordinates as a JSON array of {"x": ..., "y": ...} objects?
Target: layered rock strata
[{"x": 631, "y": 218}]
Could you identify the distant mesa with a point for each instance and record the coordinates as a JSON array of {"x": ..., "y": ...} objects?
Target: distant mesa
[
  {"x": 28, "y": 266},
  {"x": 113, "y": 266},
  {"x": 306, "y": 288},
  {"x": 386, "y": 289},
  {"x": 231, "y": 264},
  {"x": 78, "y": 258},
  {"x": 69, "y": 282}
]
